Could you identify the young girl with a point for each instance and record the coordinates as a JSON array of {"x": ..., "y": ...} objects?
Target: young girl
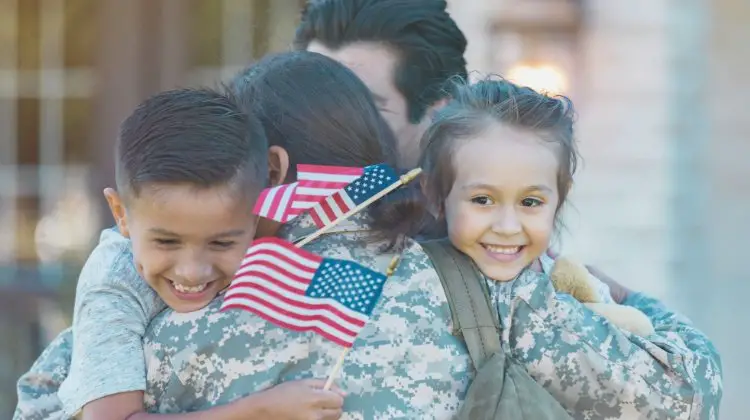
[{"x": 498, "y": 164}]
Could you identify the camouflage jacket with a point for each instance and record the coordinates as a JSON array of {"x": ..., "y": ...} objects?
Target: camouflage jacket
[{"x": 406, "y": 363}]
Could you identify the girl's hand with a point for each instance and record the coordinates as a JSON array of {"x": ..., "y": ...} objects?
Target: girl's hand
[
  {"x": 618, "y": 291},
  {"x": 297, "y": 400}
]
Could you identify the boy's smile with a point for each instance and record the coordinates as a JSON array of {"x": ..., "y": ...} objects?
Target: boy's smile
[{"x": 188, "y": 241}]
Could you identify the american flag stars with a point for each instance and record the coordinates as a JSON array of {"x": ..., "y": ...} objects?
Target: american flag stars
[
  {"x": 353, "y": 286},
  {"x": 375, "y": 178}
]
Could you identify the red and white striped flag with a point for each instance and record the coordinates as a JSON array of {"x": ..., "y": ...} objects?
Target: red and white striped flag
[
  {"x": 314, "y": 183},
  {"x": 332, "y": 177},
  {"x": 277, "y": 203},
  {"x": 302, "y": 291}
]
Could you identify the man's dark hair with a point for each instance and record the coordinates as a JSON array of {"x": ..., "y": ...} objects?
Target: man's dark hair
[
  {"x": 195, "y": 136},
  {"x": 427, "y": 40}
]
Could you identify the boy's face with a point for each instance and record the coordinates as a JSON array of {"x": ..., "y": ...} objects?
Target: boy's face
[{"x": 187, "y": 242}]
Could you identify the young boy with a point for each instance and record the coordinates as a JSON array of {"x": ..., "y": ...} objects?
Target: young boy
[{"x": 189, "y": 168}]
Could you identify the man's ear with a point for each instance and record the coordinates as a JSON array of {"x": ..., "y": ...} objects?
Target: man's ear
[
  {"x": 117, "y": 207},
  {"x": 278, "y": 165},
  {"x": 439, "y": 104}
]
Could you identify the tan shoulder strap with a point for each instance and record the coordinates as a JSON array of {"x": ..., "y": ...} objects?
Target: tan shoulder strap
[{"x": 474, "y": 317}]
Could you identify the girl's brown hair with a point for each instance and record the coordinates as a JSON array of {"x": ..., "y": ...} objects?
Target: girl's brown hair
[{"x": 472, "y": 108}]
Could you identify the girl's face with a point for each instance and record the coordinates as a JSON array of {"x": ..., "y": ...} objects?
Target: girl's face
[{"x": 501, "y": 208}]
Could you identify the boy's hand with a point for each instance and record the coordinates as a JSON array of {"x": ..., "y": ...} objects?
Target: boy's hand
[{"x": 297, "y": 400}]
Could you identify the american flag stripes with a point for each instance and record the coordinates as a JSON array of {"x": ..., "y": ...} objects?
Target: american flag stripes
[
  {"x": 278, "y": 203},
  {"x": 375, "y": 179},
  {"x": 301, "y": 291},
  {"x": 335, "y": 177},
  {"x": 314, "y": 183}
]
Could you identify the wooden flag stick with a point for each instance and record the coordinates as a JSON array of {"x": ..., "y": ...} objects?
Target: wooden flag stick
[
  {"x": 405, "y": 179},
  {"x": 342, "y": 356},
  {"x": 336, "y": 369}
]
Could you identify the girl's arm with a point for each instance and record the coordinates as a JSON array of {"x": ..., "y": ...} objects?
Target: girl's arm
[
  {"x": 593, "y": 368},
  {"x": 129, "y": 406},
  {"x": 303, "y": 399}
]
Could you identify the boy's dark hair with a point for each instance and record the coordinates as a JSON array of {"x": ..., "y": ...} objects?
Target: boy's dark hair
[
  {"x": 318, "y": 110},
  {"x": 427, "y": 40},
  {"x": 195, "y": 136}
]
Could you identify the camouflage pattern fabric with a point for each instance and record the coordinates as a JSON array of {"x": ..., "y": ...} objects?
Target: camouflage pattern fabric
[
  {"x": 37, "y": 388},
  {"x": 406, "y": 363},
  {"x": 403, "y": 350}
]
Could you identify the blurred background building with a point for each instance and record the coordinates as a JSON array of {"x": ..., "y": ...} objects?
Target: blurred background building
[{"x": 662, "y": 202}]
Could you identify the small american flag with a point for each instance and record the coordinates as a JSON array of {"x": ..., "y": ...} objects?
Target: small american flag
[
  {"x": 375, "y": 179},
  {"x": 334, "y": 177},
  {"x": 277, "y": 203},
  {"x": 302, "y": 291},
  {"x": 314, "y": 183}
]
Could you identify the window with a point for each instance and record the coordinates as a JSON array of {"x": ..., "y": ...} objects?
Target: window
[{"x": 46, "y": 79}]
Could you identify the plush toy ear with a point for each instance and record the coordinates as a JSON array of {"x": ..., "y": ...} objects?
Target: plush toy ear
[
  {"x": 572, "y": 278},
  {"x": 625, "y": 317}
]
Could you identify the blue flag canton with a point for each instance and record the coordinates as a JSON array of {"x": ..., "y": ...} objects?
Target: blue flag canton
[
  {"x": 375, "y": 178},
  {"x": 356, "y": 287}
]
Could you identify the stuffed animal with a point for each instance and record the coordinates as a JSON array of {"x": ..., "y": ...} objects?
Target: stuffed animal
[{"x": 573, "y": 278}]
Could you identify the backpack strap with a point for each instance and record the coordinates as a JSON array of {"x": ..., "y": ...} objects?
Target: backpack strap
[{"x": 474, "y": 317}]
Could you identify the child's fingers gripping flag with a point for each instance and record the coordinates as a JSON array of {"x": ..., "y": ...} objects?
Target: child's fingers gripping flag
[
  {"x": 375, "y": 179},
  {"x": 302, "y": 291},
  {"x": 314, "y": 183}
]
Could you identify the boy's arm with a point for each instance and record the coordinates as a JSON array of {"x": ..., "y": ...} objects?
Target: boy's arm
[
  {"x": 113, "y": 306},
  {"x": 303, "y": 399}
]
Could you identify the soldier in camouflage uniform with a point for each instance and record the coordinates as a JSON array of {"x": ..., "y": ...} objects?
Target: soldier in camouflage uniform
[{"x": 407, "y": 364}]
